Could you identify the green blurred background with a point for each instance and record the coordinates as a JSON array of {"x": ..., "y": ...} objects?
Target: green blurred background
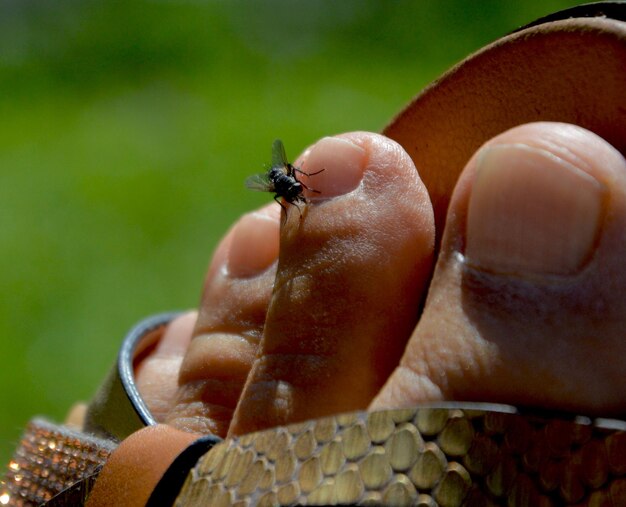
[{"x": 127, "y": 129}]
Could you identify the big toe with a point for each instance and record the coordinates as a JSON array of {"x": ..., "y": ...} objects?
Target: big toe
[
  {"x": 526, "y": 304},
  {"x": 352, "y": 271}
]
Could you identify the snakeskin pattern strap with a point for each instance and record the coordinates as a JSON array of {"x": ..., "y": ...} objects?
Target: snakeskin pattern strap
[{"x": 477, "y": 455}]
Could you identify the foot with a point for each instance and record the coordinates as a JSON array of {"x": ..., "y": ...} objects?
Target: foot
[{"x": 524, "y": 305}]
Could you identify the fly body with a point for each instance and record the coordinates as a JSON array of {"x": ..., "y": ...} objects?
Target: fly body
[
  {"x": 285, "y": 183},
  {"x": 281, "y": 179}
]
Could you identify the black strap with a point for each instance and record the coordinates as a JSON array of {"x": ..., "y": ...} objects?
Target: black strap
[
  {"x": 75, "y": 495},
  {"x": 167, "y": 489}
]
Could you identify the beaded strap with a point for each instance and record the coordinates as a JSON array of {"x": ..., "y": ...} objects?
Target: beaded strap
[{"x": 50, "y": 459}]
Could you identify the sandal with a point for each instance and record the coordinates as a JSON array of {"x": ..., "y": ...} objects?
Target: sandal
[{"x": 446, "y": 454}]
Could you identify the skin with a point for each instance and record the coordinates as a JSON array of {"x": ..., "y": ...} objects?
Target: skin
[{"x": 349, "y": 308}]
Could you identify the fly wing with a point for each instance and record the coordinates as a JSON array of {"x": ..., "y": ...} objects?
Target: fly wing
[
  {"x": 259, "y": 182},
  {"x": 279, "y": 158}
]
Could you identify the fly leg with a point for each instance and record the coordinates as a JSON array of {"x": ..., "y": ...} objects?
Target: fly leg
[
  {"x": 277, "y": 198},
  {"x": 309, "y": 188},
  {"x": 308, "y": 174}
]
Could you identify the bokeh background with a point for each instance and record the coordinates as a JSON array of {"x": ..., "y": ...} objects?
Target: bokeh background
[{"x": 128, "y": 127}]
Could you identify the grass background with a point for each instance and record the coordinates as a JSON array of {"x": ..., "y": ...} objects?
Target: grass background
[{"x": 127, "y": 129}]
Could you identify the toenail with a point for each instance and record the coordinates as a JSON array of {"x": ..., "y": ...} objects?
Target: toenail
[
  {"x": 341, "y": 163},
  {"x": 254, "y": 246},
  {"x": 531, "y": 212}
]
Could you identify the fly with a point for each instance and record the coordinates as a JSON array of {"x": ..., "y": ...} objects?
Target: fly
[{"x": 282, "y": 179}]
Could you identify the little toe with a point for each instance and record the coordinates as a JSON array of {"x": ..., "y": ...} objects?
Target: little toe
[
  {"x": 229, "y": 325},
  {"x": 526, "y": 304},
  {"x": 352, "y": 273},
  {"x": 157, "y": 375}
]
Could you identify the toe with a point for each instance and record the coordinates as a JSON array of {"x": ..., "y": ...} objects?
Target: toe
[
  {"x": 525, "y": 304},
  {"x": 157, "y": 374},
  {"x": 350, "y": 280},
  {"x": 229, "y": 325}
]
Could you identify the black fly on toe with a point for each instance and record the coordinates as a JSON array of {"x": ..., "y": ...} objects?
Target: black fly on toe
[{"x": 281, "y": 178}]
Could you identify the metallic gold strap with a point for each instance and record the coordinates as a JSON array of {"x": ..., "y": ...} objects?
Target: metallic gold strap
[
  {"x": 450, "y": 455},
  {"x": 48, "y": 460}
]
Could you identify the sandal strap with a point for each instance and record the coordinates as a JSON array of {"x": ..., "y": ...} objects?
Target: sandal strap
[
  {"x": 443, "y": 454},
  {"x": 49, "y": 459},
  {"x": 446, "y": 454},
  {"x": 118, "y": 410},
  {"x": 55, "y": 461},
  {"x": 137, "y": 465}
]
